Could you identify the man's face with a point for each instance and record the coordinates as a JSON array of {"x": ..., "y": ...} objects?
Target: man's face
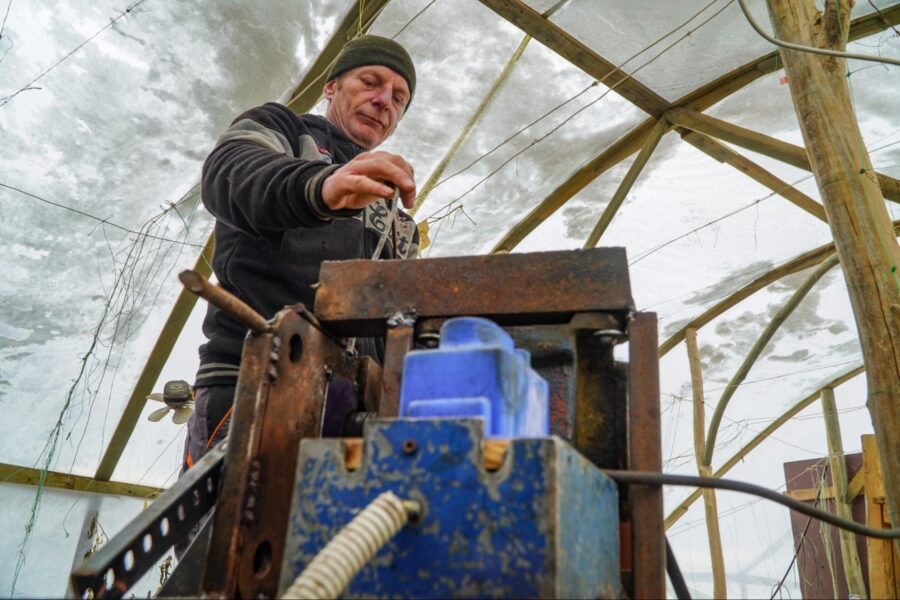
[{"x": 366, "y": 103}]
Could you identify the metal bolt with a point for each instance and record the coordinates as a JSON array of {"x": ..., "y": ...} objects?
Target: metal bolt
[{"x": 409, "y": 446}]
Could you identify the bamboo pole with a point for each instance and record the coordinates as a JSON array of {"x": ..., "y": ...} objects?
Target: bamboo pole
[
  {"x": 783, "y": 313},
  {"x": 763, "y": 144},
  {"x": 709, "y": 494},
  {"x": 723, "y": 153},
  {"x": 855, "y": 206},
  {"x": 849, "y": 554},
  {"x": 680, "y": 510},
  {"x": 467, "y": 130},
  {"x": 630, "y": 177}
]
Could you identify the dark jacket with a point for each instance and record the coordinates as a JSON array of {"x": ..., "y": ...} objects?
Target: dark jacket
[{"x": 263, "y": 183}]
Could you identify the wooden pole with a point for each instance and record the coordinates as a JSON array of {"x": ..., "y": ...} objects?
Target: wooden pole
[
  {"x": 856, "y": 584},
  {"x": 856, "y": 211},
  {"x": 630, "y": 177},
  {"x": 704, "y": 470},
  {"x": 680, "y": 510},
  {"x": 756, "y": 350}
]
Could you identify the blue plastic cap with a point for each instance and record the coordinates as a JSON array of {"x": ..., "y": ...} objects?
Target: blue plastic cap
[{"x": 468, "y": 331}]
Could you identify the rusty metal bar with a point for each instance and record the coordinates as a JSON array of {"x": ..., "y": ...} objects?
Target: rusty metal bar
[
  {"x": 648, "y": 545},
  {"x": 224, "y": 301},
  {"x": 355, "y": 297},
  {"x": 400, "y": 339}
]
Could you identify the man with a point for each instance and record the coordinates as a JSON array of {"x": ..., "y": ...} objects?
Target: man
[{"x": 290, "y": 191}]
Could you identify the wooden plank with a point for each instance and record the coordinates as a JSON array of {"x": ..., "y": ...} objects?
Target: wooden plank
[
  {"x": 499, "y": 287},
  {"x": 859, "y": 220},
  {"x": 709, "y": 495},
  {"x": 582, "y": 56},
  {"x": 630, "y": 177},
  {"x": 78, "y": 483},
  {"x": 881, "y": 571},
  {"x": 849, "y": 554},
  {"x": 763, "y": 144},
  {"x": 724, "y": 154}
]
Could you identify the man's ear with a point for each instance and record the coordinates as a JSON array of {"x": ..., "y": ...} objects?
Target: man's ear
[{"x": 328, "y": 90}]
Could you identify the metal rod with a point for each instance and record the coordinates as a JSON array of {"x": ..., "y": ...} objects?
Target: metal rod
[{"x": 224, "y": 301}]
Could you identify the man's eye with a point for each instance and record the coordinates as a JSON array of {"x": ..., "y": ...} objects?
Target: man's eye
[{"x": 368, "y": 82}]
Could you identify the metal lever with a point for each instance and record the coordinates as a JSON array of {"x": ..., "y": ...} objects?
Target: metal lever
[{"x": 224, "y": 301}]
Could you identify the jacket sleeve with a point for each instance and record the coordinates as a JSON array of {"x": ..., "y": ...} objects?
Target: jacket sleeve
[{"x": 265, "y": 175}]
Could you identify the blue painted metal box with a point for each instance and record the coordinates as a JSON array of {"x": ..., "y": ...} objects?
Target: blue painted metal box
[
  {"x": 477, "y": 372},
  {"x": 545, "y": 524}
]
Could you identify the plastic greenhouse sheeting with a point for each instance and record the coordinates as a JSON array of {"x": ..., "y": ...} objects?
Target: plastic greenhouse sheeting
[{"x": 107, "y": 111}]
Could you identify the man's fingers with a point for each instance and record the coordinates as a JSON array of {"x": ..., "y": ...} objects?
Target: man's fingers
[{"x": 384, "y": 170}]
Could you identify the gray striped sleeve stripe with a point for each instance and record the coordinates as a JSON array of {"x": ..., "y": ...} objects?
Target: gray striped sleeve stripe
[
  {"x": 251, "y": 131},
  {"x": 214, "y": 365},
  {"x": 211, "y": 374}
]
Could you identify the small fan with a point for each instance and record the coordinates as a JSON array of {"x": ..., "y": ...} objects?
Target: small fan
[{"x": 177, "y": 398}]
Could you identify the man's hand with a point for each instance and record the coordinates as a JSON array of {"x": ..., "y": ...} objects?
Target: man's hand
[{"x": 367, "y": 178}]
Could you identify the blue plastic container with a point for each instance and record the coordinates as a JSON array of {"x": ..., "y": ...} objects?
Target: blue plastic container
[{"x": 477, "y": 372}]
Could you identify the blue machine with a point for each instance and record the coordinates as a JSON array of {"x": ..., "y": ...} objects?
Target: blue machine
[
  {"x": 477, "y": 372},
  {"x": 544, "y": 524}
]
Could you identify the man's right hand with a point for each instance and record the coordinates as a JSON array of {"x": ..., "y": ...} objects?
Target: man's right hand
[{"x": 366, "y": 179}]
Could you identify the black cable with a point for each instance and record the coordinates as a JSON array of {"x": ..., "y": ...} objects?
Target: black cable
[
  {"x": 658, "y": 479},
  {"x": 675, "y": 576}
]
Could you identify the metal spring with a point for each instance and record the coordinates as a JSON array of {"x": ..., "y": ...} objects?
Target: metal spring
[{"x": 331, "y": 571}]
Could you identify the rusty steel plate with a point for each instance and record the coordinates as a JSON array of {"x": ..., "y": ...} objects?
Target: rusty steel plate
[{"x": 355, "y": 297}]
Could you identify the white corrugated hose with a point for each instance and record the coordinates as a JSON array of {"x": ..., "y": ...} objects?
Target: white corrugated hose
[{"x": 331, "y": 571}]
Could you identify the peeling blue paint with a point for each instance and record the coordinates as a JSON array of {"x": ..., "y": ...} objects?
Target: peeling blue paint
[{"x": 544, "y": 525}]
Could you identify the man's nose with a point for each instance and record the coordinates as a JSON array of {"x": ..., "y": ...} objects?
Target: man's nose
[{"x": 382, "y": 96}]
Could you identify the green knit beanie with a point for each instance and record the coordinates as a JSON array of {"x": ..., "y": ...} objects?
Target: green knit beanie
[{"x": 376, "y": 50}]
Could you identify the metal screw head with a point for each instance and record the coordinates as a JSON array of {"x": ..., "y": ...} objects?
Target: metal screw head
[{"x": 409, "y": 446}]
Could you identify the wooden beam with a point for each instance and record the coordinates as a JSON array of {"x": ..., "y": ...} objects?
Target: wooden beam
[
  {"x": 723, "y": 153},
  {"x": 78, "y": 483},
  {"x": 680, "y": 510},
  {"x": 178, "y": 316},
  {"x": 582, "y": 56},
  {"x": 309, "y": 90},
  {"x": 849, "y": 554},
  {"x": 630, "y": 177},
  {"x": 882, "y": 578},
  {"x": 709, "y": 495},
  {"x": 631, "y": 142},
  {"x": 763, "y": 144},
  {"x": 856, "y": 485},
  {"x": 859, "y": 220}
]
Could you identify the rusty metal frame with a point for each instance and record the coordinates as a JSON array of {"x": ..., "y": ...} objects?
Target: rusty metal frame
[{"x": 280, "y": 400}]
